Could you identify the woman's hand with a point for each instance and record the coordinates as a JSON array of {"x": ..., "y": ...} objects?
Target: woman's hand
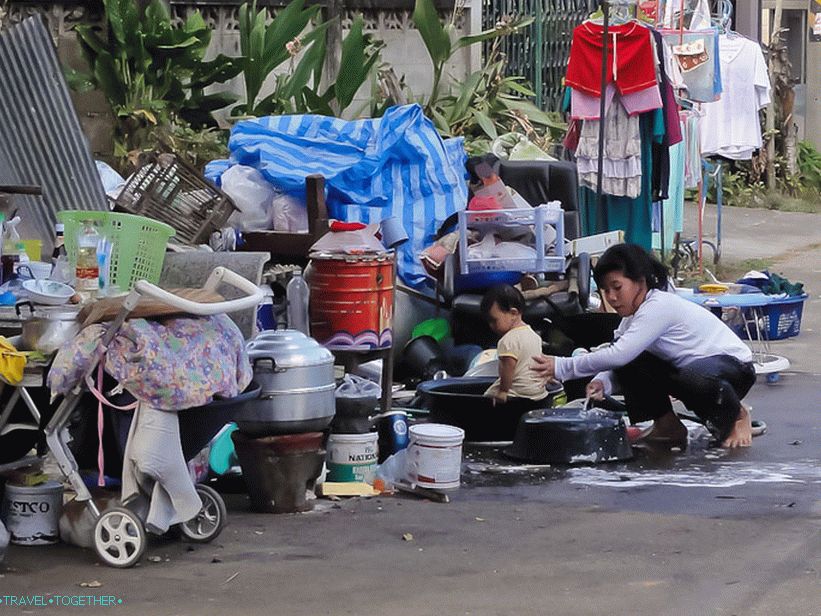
[
  {"x": 595, "y": 390},
  {"x": 545, "y": 366}
]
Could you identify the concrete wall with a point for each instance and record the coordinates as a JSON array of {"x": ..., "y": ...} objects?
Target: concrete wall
[
  {"x": 813, "y": 118},
  {"x": 404, "y": 49},
  {"x": 752, "y": 21}
]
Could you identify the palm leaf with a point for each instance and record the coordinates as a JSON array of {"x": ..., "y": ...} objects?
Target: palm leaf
[{"x": 436, "y": 39}]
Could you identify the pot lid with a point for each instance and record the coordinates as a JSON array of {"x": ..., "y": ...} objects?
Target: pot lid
[
  {"x": 42, "y": 311},
  {"x": 289, "y": 348}
]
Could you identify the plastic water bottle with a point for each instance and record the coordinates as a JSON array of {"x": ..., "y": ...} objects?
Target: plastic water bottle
[
  {"x": 297, "y": 294},
  {"x": 87, "y": 270}
]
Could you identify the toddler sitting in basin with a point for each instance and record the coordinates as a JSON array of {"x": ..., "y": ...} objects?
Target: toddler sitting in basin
[{"x": 502, "y": 307}]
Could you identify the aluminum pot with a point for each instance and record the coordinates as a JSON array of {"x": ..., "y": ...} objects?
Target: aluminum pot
[
  {"x": 46, "y": 330},
  {"x": 296, "y": 377}
]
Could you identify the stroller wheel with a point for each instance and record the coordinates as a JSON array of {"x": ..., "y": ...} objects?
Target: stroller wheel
[
  {"x": 209, "y": 522},
  {"x": 119, "y": 538}
]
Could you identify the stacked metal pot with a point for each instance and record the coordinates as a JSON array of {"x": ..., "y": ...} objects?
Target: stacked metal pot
[{"x": 296, "y": 377}]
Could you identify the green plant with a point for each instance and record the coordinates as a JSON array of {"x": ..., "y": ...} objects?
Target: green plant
[
  {"x": 739, "y": 190},
  {"x": 263, "y": 46},
  {"x": 809, "y": 164},
  {"x": 197, "y": 146},
  {"x": 487, "y": 103},
  {"x": 267, "y": 46},
  {"x": 150, "y": 71}
]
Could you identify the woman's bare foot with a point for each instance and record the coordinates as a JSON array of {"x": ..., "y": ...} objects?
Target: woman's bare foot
[
  {"x": 742, "y": 433},
  {"x": 667, "y": 429}
]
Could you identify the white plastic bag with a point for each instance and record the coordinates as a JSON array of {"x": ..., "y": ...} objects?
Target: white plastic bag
[
  {"x": 488, "y": 248},
  {"x": 363, "y": 240},
  {"x": 513, "y": 250},
  {"x": 395, "y": 469},
  {"x": 289, "y": 213},
  {"x": 113, "y": 182},
  {"x": 252, "y": 194},
  {"x": 357, "y": 387},
  {"x": 484, "y": 249}
]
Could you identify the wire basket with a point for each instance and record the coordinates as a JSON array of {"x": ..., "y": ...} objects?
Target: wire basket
[
  {"x": 172, "y": 191},
  {"x": 138, "y": 244}
]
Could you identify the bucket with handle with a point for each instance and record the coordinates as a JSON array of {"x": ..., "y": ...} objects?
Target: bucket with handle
[{"x": 435, "y": 455}]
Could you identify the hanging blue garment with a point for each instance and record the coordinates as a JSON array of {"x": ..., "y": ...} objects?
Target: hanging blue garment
[
  {"x": 397, "y": 165},
  {"x": 673, "y": 208}
]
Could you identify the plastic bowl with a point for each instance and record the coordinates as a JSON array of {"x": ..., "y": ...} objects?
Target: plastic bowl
[{"x": 48, "y": 292}]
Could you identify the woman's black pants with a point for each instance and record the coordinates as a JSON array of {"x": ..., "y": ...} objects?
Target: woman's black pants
[{"x": 711, "y": 387}]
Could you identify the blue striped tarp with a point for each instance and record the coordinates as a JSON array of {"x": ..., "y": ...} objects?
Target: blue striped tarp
[{"x": 397, "y": 165}]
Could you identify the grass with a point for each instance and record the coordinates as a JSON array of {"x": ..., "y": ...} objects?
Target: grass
[
  {"x": 733, "y": 270},
  {"x": 725, "y": 271},
  {"x": 810, "y": 204},
  {"x": 739, "y": 194}
]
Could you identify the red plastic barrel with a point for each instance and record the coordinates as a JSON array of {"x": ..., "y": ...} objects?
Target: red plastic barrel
[{"x": 351, "y": 305}]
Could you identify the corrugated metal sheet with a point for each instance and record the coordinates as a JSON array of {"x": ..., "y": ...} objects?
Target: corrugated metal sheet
[{"x": 41, "y": 141}]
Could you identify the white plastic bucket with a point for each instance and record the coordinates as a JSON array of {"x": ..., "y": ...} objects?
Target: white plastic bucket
[
  {"x": 352, "y": 457},
  {"x": 435, "y": 455},
  {"x": 32, "y": 513}
]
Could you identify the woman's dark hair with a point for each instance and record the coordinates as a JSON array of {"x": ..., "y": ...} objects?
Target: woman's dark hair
[
  {"x": 504, "y": 296},
  {"x": 635, "y": 263}
]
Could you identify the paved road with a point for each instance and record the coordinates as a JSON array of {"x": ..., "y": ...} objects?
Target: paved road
[
  {"x": 706, "y": 532},
  {"x": 792, "y": 241}
]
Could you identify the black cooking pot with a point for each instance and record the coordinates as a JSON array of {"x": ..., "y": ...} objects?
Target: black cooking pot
[
  {"x": 570, "y": 435},
  {"x": 353, "y": 415},
  {"x": 461, "y": 402},
  {"x": 423, "y": 357}
]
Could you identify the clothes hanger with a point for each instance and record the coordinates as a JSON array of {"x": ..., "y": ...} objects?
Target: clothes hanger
[
  {"x": 725, "y": 20},
  {"x": 621, "y": 12}
]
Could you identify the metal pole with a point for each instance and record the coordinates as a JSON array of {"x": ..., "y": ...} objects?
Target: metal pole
[
  {"x": 539, "y": 32},
  {"x": 601, "y": 214}
]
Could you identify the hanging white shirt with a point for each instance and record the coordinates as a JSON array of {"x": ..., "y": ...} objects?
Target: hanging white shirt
[{"x": 731, "y": 126}]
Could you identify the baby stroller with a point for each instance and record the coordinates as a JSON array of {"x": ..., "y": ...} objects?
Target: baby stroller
[{"x": 119, "y": 536}]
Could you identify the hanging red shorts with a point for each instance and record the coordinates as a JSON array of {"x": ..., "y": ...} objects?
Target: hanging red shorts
[{"x": 630, "y": 61}]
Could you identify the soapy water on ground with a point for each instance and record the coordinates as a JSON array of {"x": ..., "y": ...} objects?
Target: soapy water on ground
[
  {"x": 699, "y": 466},
  {"x": 721, "y": 475}
]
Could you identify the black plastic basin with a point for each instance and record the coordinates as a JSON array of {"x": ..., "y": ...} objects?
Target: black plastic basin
[{"x": 460, "y": 402}]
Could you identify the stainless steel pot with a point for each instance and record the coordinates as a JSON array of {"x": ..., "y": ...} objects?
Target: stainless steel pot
[
  {"x": 47, "y": 329},
  {"x": 297, "y": 385}
]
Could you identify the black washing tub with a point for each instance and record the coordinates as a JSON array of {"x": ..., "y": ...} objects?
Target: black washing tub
[
  {"x": 570, "y": 435},
  {"x": 460, "y": 402}
]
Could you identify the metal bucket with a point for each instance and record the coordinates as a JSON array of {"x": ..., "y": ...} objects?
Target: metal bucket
[
  {"x": 32, "y": 513},
  {"x": 352, "y": 301}
]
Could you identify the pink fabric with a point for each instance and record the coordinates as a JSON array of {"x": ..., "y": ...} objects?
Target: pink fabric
[
  {"x": 586, "y": 107},
  {"x": 484, "y": 203},
  {"x": 100, "y": 455}
]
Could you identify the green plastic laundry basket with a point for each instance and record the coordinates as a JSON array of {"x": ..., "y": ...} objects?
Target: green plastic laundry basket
[{"x": 138, "y": 244}]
